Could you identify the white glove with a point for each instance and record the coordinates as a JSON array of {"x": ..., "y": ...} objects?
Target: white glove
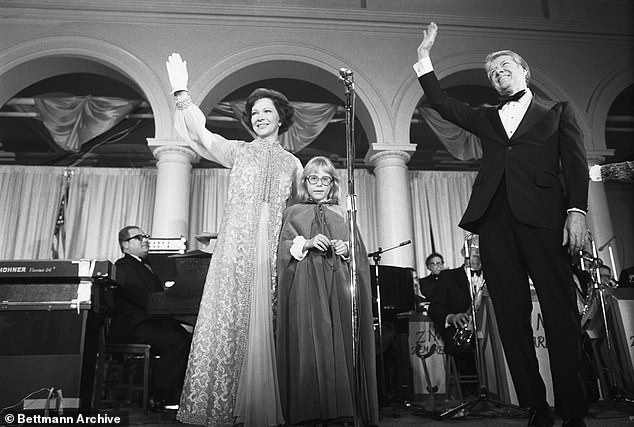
[
  {"x": 177, "y": 72},
  {"x": 595, "y": 173}
]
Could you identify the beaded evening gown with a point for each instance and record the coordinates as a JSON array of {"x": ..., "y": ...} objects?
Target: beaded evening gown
[{"x": 231, "y": 374}]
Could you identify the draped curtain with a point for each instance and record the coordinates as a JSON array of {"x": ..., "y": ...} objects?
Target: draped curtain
[
  {"x": 438, "y": 201},
  {"x": 309, "y": 120},
  {"x": 461, "y": 144},
  {"x": 74, "y": 120},
  {"x": 100, "y": 202},
  {"x": 209, "y": 194},
  {"x": 28, "y": 210},
  {"x": 103, "y": 200}
]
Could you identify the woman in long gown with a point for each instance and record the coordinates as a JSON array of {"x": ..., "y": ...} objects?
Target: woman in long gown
[
  {"x": 231, "y": 374},
  {"x": 314, "y": 323}
]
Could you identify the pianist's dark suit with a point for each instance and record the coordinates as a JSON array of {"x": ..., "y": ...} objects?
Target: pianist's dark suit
[{"x": 131, "y": 323}]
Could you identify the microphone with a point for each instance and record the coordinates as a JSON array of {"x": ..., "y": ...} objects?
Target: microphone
[
  {"x": 344, "y": 73},
  {"x": 606, "y": 243},
  {"x": 375, "y": 253},
  {"x": 381, "y": 250}
]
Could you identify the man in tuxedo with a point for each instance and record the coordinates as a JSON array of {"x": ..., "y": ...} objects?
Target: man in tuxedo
[
  {"x": 132, "y": 324},
  {"x": 450, "y": 306},
  {"x": 435, "y": 263},
  {"x": 526, "y": 221}
]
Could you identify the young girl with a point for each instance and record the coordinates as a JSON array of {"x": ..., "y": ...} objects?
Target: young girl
[{"x": 314, "y": 323}]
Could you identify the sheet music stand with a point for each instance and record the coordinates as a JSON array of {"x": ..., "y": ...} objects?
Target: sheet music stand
[{"x": 399, "y": 296}]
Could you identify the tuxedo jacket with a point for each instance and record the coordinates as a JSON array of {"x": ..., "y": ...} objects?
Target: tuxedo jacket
[
  {"x": 548, "y": 143},
  {"x": 452, "y": 295},
  {"x": 136, "y": 284},
  {"x": 427, "y": 286}
]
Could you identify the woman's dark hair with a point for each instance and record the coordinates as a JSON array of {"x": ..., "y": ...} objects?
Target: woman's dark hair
[{"x": 282, "y": 105}]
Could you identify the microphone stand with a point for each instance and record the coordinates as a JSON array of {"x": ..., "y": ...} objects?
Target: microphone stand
[
  {"x": 483, "y": 399},
  {"x": 348, "y": 80},
  {"x": 376, "y": 256}
]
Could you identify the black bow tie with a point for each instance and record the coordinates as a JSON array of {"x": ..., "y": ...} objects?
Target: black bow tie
[
  {"x": 476, "y": 273},
  {"x": 515, "y": 97}
]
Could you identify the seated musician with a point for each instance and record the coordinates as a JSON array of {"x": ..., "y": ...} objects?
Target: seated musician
[
  {"x": 450, "y": 309},
  {"x": 435, "y": 263},
  {"x": 132, "y": 324}
]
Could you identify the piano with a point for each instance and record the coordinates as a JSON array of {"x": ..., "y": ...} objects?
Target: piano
[
  {"x": 185, "y": 274},
  {"x": 396, "y": 289},
  {"x": 51, "y": 323}
]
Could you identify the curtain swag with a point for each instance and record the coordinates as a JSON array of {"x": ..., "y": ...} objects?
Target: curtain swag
[
  {"x": 75, "y": 120},
  {"x": 309, "y": 120},
  {"x": 461, "y": 144}
]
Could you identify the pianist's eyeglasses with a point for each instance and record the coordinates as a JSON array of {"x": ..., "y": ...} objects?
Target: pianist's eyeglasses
[
  {"x": 139, "y": 237},
  {"x": 314, "y": 179}
]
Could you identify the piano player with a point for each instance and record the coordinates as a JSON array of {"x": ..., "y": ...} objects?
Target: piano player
[{"x": 132, "y": 323}]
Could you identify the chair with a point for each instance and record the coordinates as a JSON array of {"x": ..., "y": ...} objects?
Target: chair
[
  {"x": 121, "y": 365},
  {"x": 455, "y": 379}
]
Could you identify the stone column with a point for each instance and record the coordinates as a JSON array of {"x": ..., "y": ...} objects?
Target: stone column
[
  {"x": 599, "y": 219},
  {"x": 171, "y": 204},
  {"x": 393, "y": 202}
]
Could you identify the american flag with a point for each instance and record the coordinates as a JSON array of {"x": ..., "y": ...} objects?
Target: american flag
[{"x": 58, "y": 245}]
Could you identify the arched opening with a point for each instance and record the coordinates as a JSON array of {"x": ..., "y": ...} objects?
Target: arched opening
[
  {"x": 619, "y": 126},
  {"x": 470, "y": 86},
  {"x": 331, "y": 142},
  {"x": 25, "y": 140}
]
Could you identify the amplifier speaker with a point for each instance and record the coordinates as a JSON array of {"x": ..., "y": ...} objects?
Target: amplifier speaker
[{"x": 44, "y": 349}]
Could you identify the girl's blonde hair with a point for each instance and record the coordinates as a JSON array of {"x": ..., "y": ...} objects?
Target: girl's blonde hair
[{"x": 316, "y": 164}]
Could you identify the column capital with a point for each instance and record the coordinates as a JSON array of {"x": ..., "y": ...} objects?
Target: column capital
[
  {"x": 597, "y": 157},
  {"x": 396, "y": 154},
  {"x": 176, "y": 149}
]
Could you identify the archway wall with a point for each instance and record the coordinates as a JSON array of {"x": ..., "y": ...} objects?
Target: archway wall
[
  {"x": 575, "y": 60},
  {"x": 560, "y": 70}
]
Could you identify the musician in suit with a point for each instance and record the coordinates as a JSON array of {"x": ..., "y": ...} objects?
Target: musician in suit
[
  {"x": 132, "y": 324},
  {"x": 526, "y": 221},
  {"x": 450, "y": 306},
  {"x": 435, "y": 263}
]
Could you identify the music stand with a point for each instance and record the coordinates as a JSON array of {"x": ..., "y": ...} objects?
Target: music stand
[
  {"x": 376, "y": 256},
  {"x": 483, "y": 402}
]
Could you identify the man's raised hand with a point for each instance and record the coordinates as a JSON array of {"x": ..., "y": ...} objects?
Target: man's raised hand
[{"x": 429, "y": 37}]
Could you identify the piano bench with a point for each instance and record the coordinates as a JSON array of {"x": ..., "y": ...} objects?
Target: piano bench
[{"x": 123, "y": 365}]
